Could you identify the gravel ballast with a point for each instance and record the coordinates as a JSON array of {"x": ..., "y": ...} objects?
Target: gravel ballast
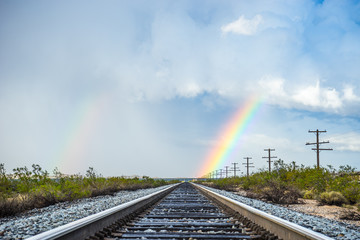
[
  {"x": 328, "y": 227},
  {"x": 40, "y": 220}
]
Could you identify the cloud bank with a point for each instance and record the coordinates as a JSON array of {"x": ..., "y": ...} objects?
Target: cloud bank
[
  {"x": 169, "y": 50},
  {"x": 203, "y": 58}
]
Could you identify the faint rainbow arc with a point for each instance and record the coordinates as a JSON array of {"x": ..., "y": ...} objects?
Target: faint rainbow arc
[
  {"x": 230, "y": 135},
  {"x": 80, "y": 131}
]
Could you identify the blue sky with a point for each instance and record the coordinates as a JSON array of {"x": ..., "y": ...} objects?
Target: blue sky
[{"x": 144, "y": 87}]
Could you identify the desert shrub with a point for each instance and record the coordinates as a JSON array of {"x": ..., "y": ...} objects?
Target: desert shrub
[
  {"x": 228, "y": 184},
  {"x": 73, "y": 190},
  {"x": 33, "y": 188},
  {"x": 351, "y": 192},
  {"x": 254, "y": 180},
  {"x": 309, "y": 194},
  {"x": 313, "y": 178},
  {"x": 9, "y": 206},
  {"x": 332, "y": 198},
  {"x": 23, "y": 179},
  {"x": 16, "y": 204},
  {"x": 357, "y": 205},
  {"x": 252, "y": 194},
  {"x": 278, "y": 192},
  {"x": 5, "y": 183},
  {"x": 48, "y": 194}
]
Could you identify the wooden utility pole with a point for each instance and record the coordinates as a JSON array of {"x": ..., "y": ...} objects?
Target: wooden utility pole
[
  {"x": 269, "y": 157},
  {"x": 226, "y": 171},
  {"x": 247, "y": 165},
  {"x": 221, "y": 173},
  {"x": 234, "y": 168},
  {"x": 317, "y": 143}
]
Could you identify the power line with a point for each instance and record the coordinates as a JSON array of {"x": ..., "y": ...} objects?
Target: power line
[{"x": 317, "y": 143}]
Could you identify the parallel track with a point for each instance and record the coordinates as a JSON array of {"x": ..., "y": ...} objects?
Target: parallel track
[
  {"x": 188, "y": 212},
  {"x": 185, "y": 214}
]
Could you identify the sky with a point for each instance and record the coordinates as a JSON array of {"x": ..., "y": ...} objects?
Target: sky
[{"x": 147, "y": 87}]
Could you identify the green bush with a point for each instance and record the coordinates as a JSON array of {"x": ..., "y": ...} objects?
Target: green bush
[
  {"x": 48, "y": 194},
  {"x": 309, "y": 194},
  {"x": 332, "y": 198},
  {"x": 351, "y": 192},
  {"x": 311, "y": 181},
  {"x": 34, "y": 188},
  {"x": 10, "y": 206},
  {"x": 278, "y": 192}
]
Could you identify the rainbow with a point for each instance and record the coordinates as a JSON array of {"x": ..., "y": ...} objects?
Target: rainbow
[
  {"x": 230, "y": 135},
  {"x": 80, "y": 130}
]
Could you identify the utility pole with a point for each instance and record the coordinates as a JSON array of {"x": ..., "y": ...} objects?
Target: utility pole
[
  {"x": 226, "y": 171},
  {"x": 234, "y": 168},
  {"x": 221, "y": 173},
  {"x": 248, "y": 165},
  {"x": 269, "y": 157},
  {"x": 318, "y": 149}
]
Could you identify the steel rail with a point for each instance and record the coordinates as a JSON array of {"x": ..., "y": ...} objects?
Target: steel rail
[
  {"x": 88, "y": 226},
  {"x": 280, "y": 227}
]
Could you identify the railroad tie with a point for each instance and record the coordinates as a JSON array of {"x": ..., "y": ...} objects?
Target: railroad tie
[{"x": 185, "y": 214}]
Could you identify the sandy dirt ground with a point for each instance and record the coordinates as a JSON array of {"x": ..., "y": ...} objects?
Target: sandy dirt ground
[
  {"x": 333, "y": 212},
  {"x": 312, "y": 207}
]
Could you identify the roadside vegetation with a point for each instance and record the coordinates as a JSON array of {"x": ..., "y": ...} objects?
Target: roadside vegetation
[
  {"x": 26, "y": 189},
  {"x": 288, "y": 182}
]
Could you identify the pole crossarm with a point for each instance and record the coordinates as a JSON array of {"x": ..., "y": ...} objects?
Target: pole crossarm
[
  {"x": 221, "y": 173},
  {"x": 248, "y": 165},
  {"x": 226, "y": 171},
  {"x": 269, "y": 157},
  {"x": 318, "y": 143},
  {"x": 330, "y": 149},
  {"x": 235, "y": 168}
]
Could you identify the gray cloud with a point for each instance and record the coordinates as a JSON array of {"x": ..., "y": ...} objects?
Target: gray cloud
[{"x": 57, "y": 57}]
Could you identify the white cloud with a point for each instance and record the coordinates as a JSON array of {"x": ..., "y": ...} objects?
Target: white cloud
[
  {"x": 346, "y": 142},
  {"x": 274, "y": 85},
  {"x": 189, "y": 90},
  {"x": 273, "y": 88},
  {"x": 308, "y": 96},
  {"x": 155, "y": 52},
  {"x": 349, "y": 94},
  {"x": 314, "y": 96},
  {"x": 303, "y": 97},
  {"x": 243, "y": 26}
]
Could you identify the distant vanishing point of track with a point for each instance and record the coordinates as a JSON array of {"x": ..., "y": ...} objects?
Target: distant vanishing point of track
[{"x": 184, "y": 211}]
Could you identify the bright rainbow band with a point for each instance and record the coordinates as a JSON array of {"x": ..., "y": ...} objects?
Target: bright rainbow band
[{"x": 230, "y": 135}]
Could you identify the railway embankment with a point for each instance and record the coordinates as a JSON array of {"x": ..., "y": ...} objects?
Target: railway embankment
[{"x": 39, "y": 220}]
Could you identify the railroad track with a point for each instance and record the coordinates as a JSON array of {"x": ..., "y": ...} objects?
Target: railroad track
[
  {"x": 186, "y": 214},
  {"x": 185, "y": 211}
]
